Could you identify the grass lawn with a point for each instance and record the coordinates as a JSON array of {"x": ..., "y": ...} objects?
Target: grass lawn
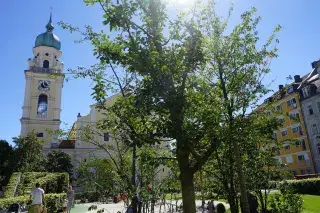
[{"x": 311, "y": 204}]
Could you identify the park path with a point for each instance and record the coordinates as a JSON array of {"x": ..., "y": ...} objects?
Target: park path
[{"x": 115, "y": 207}]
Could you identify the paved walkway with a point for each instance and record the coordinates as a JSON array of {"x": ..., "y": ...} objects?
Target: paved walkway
[{"x": 115, "y": 207}]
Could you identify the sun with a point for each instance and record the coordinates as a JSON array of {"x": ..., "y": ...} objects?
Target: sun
[{"x": 180, "y": 3}]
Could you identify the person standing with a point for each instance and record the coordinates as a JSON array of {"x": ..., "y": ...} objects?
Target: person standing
[
  {"x": 211, "y": 208},
  {"x": 38, "y": 199},
  {"x": 70, "y": 198}
]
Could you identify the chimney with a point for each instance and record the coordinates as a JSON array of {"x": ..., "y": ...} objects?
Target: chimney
[
  {"x": 314, "y": 64},
  {"x": 297, "y": 79},
  {"x": 280, "y": 87}
]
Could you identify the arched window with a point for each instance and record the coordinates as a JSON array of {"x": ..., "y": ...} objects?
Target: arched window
[
  {"x": 42, "y": 105},
  {"x": 45, "y": 64}
]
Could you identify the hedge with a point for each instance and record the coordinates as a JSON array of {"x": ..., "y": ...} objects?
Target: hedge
[
  {"x": 9, "y": 191},
  {"x": 50, "y": 182},
  {"x": 53, "y": 202},
  {"x": 305, "y": 186}
]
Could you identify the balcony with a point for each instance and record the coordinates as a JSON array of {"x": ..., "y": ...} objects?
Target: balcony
[{"x": 43, "y": 70}]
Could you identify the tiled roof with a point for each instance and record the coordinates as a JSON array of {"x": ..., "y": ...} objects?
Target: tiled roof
[{"x": 67, "y": 144}]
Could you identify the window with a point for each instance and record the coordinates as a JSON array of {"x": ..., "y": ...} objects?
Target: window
[
  {"x": 318, "y": 148},
  {"x": 294, "y": 116},
  {"x": 106, "y": 136},
  {"x": 306, "y": 91},
  {"x": 296, "y": 129},
  {"x": 40, "y": 135},
  {"x": 298, "y": 143},
  {"x": 268, "y": 113},
  {"x": 314, "y": 129},
  {"x": 309, "y": 171},
  {"x": 284, "y": 133},
  {"x": 310, "y": 110},
  {"x": 301, "y": 157},
  {"x": 287, "y": 146},
  {"x": 294, "y": 173},
  {"x": 45, "y": 64},
  {"x": 292, "y": 102},
  {"x": 318, "y": 104},
  {"x": 42, "y": 105},
  {"x": 289, "y": 159},
  {"x": 280, "y": 160},
  {"x": 279, "y": 107},
  {"x": 281, "y": 120},
  {"x": 274, "y": 136},
  {"x": 302, "y": 171},
  {"x": 47, "y": 54},
  {"x": 303, "y": 144}
]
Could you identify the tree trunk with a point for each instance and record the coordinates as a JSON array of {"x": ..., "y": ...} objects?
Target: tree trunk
[
  {"x": 201, "y": 187},
  {"x": 188, "y": 196},
  {"x": 243, "y": 188},
  {"x": 233, "y": 204},
  {"x": 135, "y": 198}
]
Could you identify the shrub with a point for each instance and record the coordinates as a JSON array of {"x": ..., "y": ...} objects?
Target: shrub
[
  {"x": 53, "y": 202},
  {"x": 9, "y": 192},
  {"x": 50, "y": 182},
  {"x": 286, "y": 202},
  {"x": 306, "y": 186},
  {"x": 6, "y": 202}
]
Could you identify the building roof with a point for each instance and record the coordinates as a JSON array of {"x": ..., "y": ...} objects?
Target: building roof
[
  {"x": 67, "y": 144},
  {"x": 312, "y": 81},
  {"x": 47, "y": 38}
]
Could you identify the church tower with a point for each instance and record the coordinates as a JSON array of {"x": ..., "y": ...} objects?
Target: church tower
[{"x": 44, "y": 81}]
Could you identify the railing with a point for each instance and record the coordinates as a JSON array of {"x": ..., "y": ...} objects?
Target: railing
[{"x": 44, "y": 70}]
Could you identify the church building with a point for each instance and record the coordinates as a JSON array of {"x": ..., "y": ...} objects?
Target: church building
[{"x": 42, "y": 104}]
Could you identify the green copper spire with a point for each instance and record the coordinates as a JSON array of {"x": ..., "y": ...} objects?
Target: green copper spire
[
  {"x": 48, "y": 39},
  {"x": 49, "y": 26}
]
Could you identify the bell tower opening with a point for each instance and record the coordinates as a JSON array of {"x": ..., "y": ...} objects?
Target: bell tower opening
[
  {"x": 42, "y": 105},
  {"x": 45, "y": 64}
]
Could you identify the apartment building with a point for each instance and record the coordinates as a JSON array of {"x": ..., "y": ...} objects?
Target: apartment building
[{"x": 295, "y": 155}]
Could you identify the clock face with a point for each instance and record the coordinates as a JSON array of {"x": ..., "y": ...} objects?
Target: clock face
[{"x": 44, "y": 85}]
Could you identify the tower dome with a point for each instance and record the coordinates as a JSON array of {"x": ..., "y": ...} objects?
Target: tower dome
[{"x": 48, "y": 39}]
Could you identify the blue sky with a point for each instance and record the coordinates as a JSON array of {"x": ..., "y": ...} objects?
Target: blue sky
[{"x": 22, "y": 21}]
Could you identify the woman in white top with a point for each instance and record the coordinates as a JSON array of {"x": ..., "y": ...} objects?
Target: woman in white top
[{"x": 70, "y": 198}]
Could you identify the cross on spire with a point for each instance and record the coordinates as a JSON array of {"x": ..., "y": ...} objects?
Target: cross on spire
[{"x": 49, "y": 26}]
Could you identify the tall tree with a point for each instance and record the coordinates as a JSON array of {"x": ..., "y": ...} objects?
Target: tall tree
[
  {"x": 191, "y": 79},
  {"x": 28, "y": 153},
  {"x": 99, "y": 174},
  {"x": 236, "y": 66},
  {"x": 7, "y": 161},
  {"x": 59, "y": 161}
]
